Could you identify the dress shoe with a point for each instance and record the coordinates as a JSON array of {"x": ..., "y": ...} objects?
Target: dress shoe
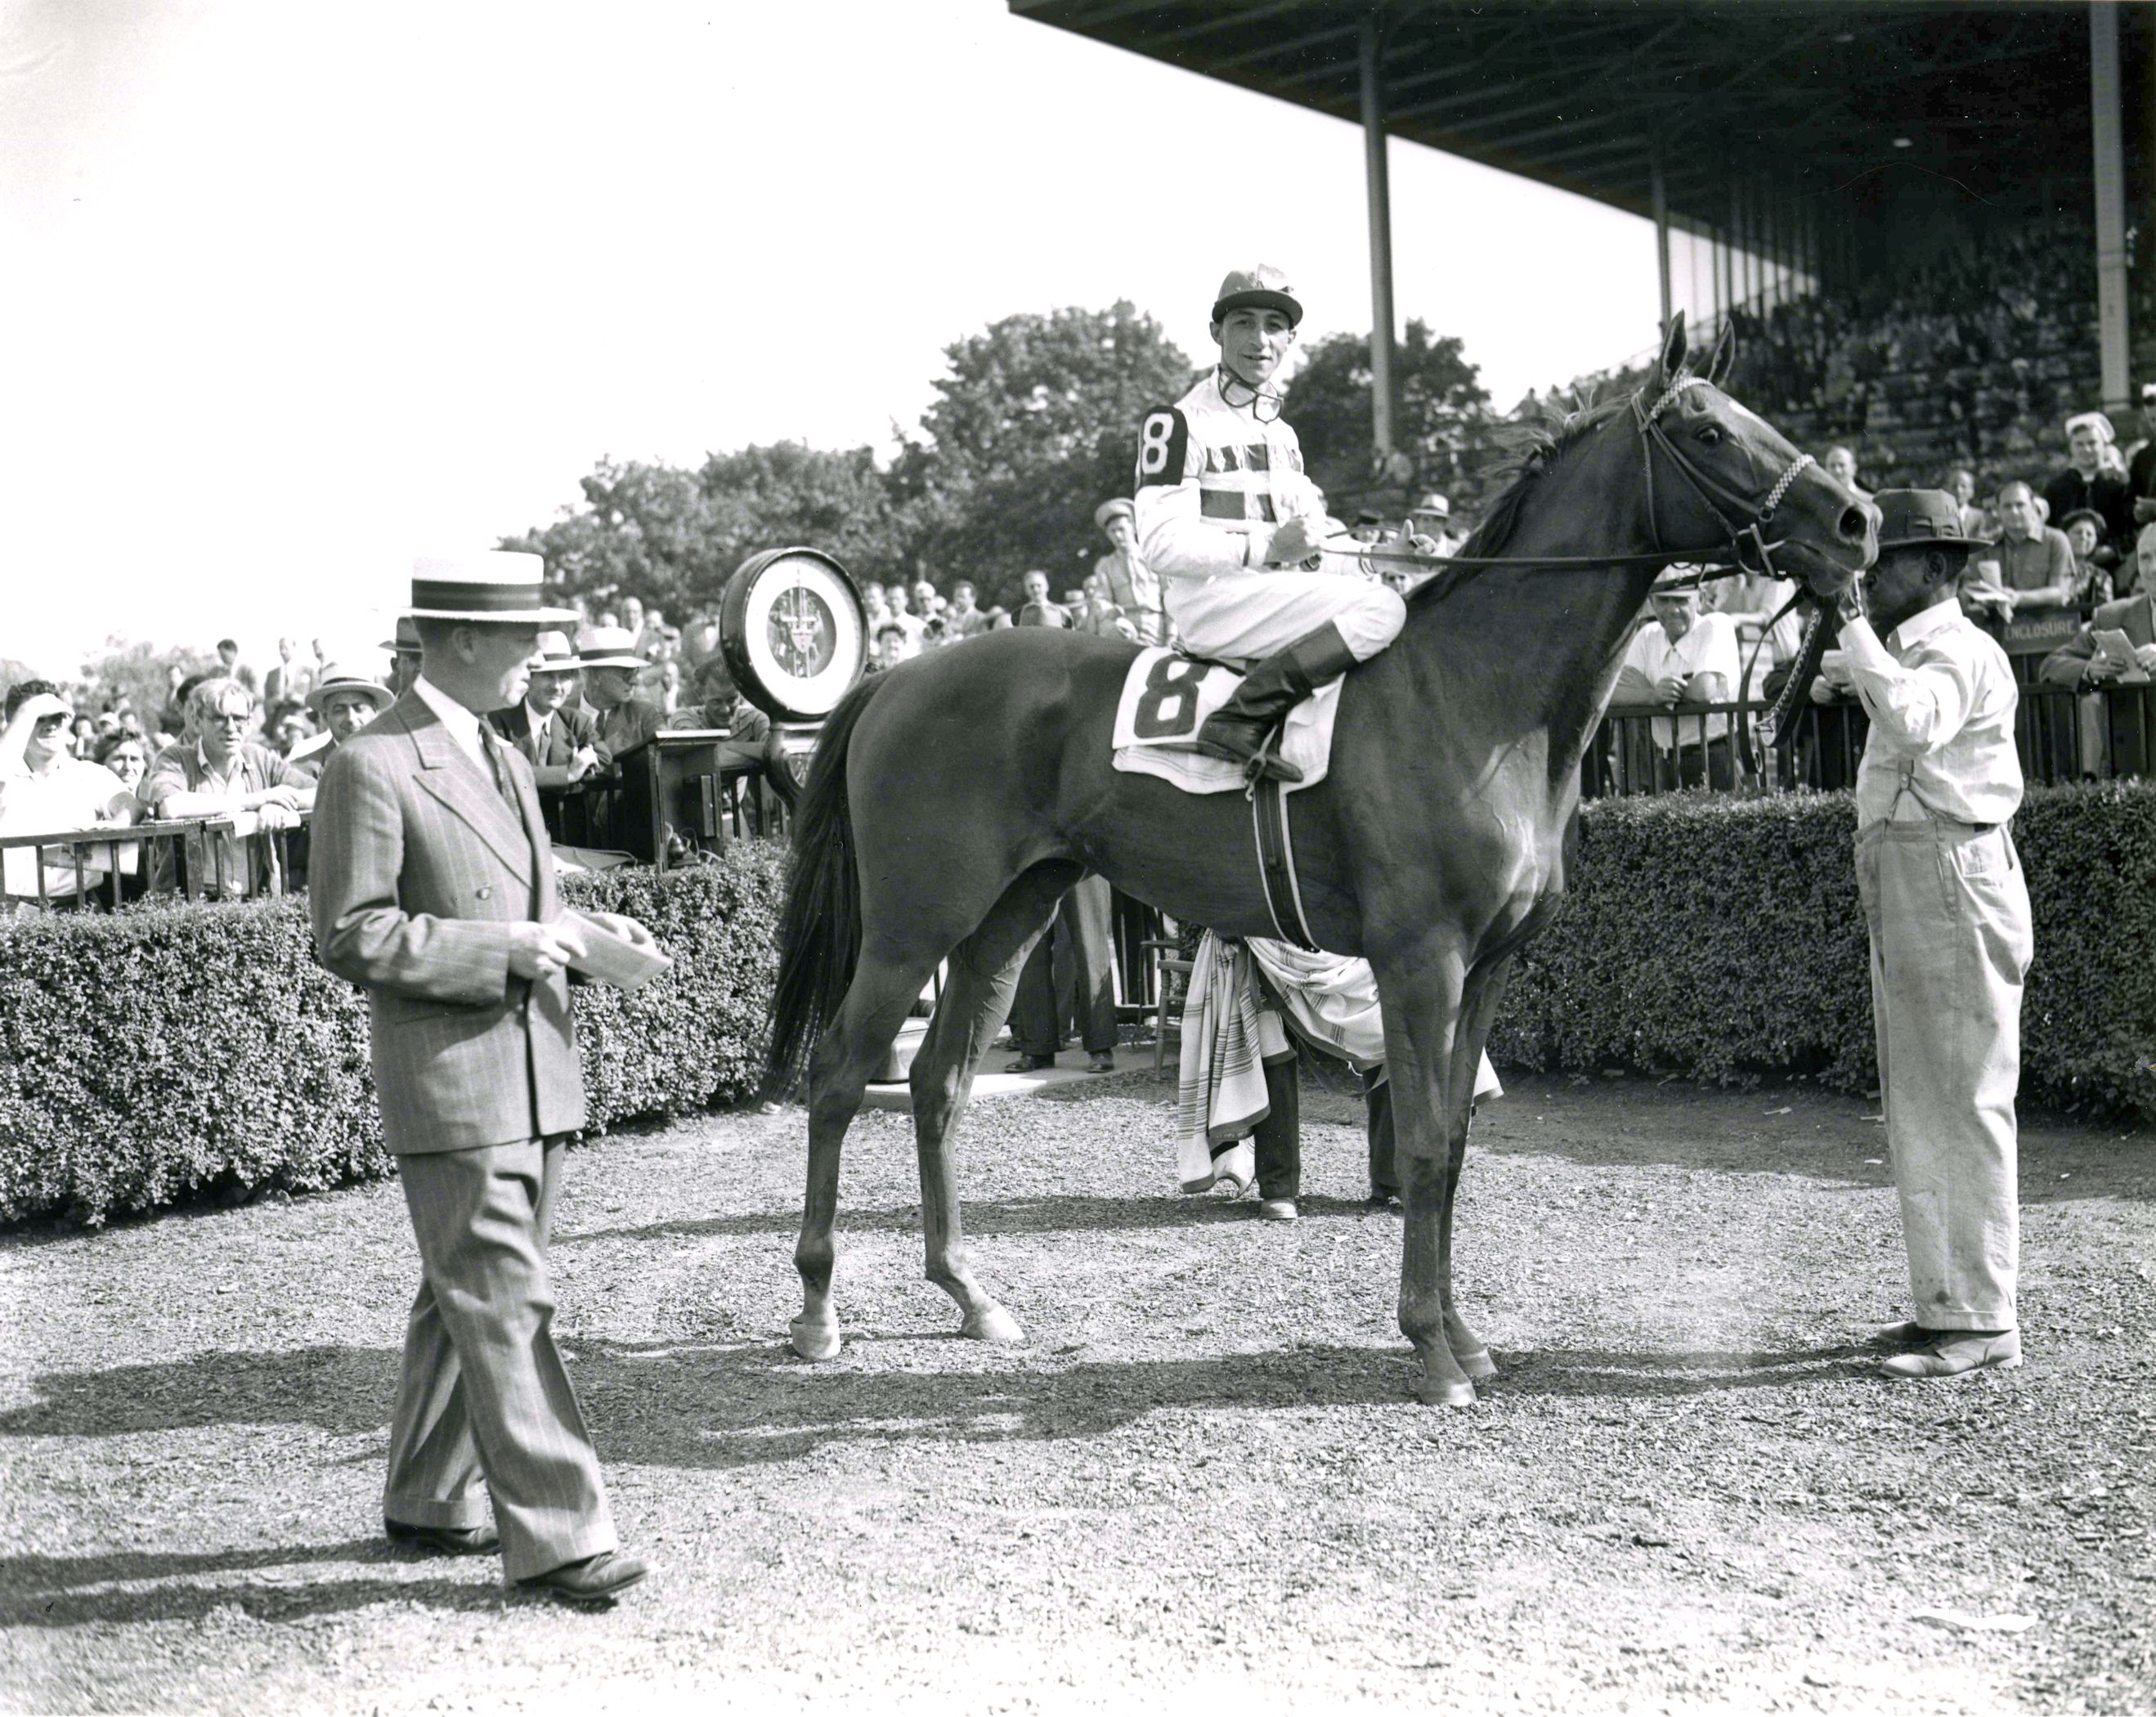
[
  {"x": 1953, "y": 1352},
  {"x": 1028, "y": 1064},
  {"x": 1103, "y": 1061},
  {"x": 595, "y": 1579},
  {"x": 1278, "y": 1210},
  {"x": 444, "y": 1540}
]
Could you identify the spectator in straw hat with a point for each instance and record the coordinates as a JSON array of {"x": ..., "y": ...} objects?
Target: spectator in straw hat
[
  {"x": 343, "y": 701},
  {"x": 434, "y": 892},
  {"x": 558, "y": 740},
  {"x": 621, "y": 720},
  {"x": 1946, "y": 908},
  {"x": 1431, "y": 520}
]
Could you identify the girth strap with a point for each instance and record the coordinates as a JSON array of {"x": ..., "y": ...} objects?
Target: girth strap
[{"x": 1276, "y": 864}]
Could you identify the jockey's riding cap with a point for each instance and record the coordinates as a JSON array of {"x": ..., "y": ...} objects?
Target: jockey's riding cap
[
  {"x": 1264, "y": 287},
  {"x": 1919, "y": 518}
]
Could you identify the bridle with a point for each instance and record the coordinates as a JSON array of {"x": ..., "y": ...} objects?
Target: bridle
[{"x": 1726, "y": 505}]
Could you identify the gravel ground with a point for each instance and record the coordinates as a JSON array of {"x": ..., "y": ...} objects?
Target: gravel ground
[{"x": 1201, "y": 1485}]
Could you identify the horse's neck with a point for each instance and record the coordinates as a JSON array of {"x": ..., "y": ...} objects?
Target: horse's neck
[{"x": 1547, "y": 645}]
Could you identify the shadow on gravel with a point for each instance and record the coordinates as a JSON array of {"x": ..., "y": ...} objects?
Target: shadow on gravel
[
  {"x": 68, "y": 1591},
  {"x": 753, "y": 1404},
  {"x": 1076, "y": 1213}
]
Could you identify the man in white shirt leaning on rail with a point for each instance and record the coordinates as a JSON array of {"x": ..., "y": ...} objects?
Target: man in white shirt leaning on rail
[
  {"x": 1947, "y": 908},
  {"x": 1685, "y": 657}
]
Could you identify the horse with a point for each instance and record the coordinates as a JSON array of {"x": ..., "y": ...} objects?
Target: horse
[{"x": 954, "y": 799}]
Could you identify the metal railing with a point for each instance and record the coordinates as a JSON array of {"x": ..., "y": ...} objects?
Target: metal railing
[
  {"x": 112, "y": 864},
  {"x": 2062, "y": 735}
]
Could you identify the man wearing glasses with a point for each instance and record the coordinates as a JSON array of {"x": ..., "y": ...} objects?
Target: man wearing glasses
[
  {"x": 45, "y": 789},
  {"x": 215, "y": 771}
]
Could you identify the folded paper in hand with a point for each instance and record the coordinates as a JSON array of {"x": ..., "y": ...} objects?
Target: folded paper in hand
[
  {"x": 2114, "y": 647},
  {"x": 614, "y": 959}
]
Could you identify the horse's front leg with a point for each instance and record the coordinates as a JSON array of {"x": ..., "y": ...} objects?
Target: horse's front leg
[
  {"x": 1420, "y": 989},
  {"x": 1480, "y": 994}
]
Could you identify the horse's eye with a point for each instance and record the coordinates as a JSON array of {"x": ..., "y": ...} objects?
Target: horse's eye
[{"x": 1709, "y": 435}]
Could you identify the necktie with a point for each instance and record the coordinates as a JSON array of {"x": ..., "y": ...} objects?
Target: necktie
[{"x": 499, "y": 764}]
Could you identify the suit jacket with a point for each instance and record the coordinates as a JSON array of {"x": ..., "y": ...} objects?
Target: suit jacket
[
  {"x": 419, "y": 868},
  {"x": 2134, "y": 615},
  {"x": 567, "y": 731},
  {"x": 622, "y": 728}
]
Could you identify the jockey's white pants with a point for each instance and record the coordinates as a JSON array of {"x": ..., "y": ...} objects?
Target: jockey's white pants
[{"x": 1245, "y": 616}]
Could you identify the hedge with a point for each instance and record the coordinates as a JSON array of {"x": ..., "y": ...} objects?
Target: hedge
[
  {"x": 175, "y": 1051},
  {"x": 1722, "y": 938}
]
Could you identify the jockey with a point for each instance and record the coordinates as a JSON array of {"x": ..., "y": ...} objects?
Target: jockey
[{"x": 1226, "y": 515}]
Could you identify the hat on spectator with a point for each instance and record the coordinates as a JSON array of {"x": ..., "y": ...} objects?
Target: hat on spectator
[
  {"x": 406, "y": 640},
  {"x": 1680, "y": 579},
  {"x": 556, "y": 656},
  {"x": 2093, "y": 421},
  {"x": 2089, "y": 513},
  {"x": 607, "y": 647},
  {"x": 336, "y": 679},
  {"x": 1116, "y": 509},
  {"x": 1435, "y": 504},
  {"x": 1919, "y": 518},
  {"x": 1261, "y": 288},
  {"x": 496, "y": 586}
]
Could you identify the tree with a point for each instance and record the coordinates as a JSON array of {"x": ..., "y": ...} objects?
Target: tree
[
  {"x": 1443, "y": 414},
  {"x": 1034, "y": 427},
  {"x": 140, "y": 673},
  {"x": 671, "y": 537}
]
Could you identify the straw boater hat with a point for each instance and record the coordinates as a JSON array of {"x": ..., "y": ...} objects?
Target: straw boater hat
[
  {"x": 556, "y": 654},
  {"x": 1435, "y": 505},
  {"x": 497, "y": 586},
  {"x": 1919, "y": 518},
  {"x": 336, "y": 679},
  {"x": 607, "y": 647}
]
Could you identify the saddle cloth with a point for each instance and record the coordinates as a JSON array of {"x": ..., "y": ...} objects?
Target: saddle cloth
[{"x": 1167, "y": 696}]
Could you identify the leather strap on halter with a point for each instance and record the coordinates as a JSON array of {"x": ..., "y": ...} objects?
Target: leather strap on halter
[{"x": 1276, "y": 864}]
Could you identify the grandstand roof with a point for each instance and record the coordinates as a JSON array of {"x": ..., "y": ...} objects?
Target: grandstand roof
[{"x": 1816, "y": 95}]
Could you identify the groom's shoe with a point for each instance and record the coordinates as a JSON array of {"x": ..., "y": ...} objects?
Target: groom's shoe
[
  {"x": 444, "y": 1540},
  {"x": 1953, "y": 1352},
  {"x": 593, "y": 1580}
]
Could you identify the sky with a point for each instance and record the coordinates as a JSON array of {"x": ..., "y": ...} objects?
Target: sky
[{"x": 298, "y": 291}]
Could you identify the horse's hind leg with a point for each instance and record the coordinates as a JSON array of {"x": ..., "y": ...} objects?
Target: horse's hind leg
[
  {"x": 982, "y": 978},
  {"x": 884, "y": 987}
]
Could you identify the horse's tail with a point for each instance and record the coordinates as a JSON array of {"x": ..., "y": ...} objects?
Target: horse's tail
[{"x": 819, "y": 930}]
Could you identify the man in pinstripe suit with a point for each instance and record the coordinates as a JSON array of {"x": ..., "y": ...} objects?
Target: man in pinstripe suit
[{"x": 432, "y": 889}]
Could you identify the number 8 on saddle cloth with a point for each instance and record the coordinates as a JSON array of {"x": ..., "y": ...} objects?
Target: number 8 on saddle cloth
[{"x": 1166, "y": 697}]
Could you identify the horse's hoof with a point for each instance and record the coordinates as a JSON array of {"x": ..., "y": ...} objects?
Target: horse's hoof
[
  {"x": 814, "y": 1338},
  {"x": 1435, "y": 1394},
  {"x": 994, "y": 1325},
  {"x": 1476, "y": 1363}
]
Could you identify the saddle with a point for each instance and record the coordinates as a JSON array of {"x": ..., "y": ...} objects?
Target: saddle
[{"x": 1167, "y": 694}]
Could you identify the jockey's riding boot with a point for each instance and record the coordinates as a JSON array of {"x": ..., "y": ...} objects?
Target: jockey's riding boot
[{"x": 1239, "y": 729}]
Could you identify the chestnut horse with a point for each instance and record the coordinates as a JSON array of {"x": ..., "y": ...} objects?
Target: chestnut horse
[{"x": 953, "y": 799}]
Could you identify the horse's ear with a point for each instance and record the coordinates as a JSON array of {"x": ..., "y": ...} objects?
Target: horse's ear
[
  {"x": 1722, "y": 356},
  {"x": 1673, "y": 352}
]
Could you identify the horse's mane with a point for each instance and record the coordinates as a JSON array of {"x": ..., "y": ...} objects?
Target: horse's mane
[{"x": 1533, "y": 446}]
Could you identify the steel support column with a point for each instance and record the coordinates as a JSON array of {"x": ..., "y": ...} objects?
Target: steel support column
[
  {"x": 2105, "y": 115},
  {"x": 1381, "y": 235},
  {"x": 1661, "y": 206}
]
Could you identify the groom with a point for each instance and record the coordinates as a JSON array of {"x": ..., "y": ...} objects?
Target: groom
[{"x": 432, "y": 889}]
